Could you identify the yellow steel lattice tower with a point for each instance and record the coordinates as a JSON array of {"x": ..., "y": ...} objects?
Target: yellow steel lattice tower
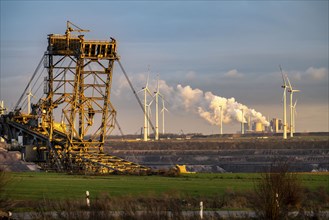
[{"x": 76, "y": 114}]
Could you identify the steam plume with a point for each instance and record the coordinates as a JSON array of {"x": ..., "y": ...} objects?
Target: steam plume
[{"x": 206, "y": 104}]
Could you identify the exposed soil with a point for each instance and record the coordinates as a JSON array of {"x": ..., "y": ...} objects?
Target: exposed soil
[{"x": 12, "y": 161}]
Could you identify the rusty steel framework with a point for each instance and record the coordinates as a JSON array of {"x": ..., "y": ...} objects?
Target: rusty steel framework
[{"x": 76, "y": 114}]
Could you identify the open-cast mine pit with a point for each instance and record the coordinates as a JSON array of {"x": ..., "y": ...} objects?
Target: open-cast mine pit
[{"x": 250, "y": 155}]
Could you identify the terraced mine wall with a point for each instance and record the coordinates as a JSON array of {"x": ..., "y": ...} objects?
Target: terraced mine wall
[{"x": 252, "y": 155}]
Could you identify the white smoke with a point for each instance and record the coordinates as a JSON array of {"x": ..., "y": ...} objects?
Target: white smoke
[
  {"x": 190, "y": 97},
  {"x": 207, "y": 105}
]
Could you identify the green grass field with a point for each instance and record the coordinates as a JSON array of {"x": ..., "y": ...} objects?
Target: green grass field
[{"x": 33, "y": 186}]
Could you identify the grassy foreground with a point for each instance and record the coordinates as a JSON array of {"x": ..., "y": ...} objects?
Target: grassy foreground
[{"x": 32, "y": 186}]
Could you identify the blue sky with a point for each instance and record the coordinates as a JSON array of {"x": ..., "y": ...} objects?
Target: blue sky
[{"x": 232, "y": 49}]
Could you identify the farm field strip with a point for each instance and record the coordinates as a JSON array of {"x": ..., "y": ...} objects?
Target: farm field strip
[{"x": 36, "y": 186}]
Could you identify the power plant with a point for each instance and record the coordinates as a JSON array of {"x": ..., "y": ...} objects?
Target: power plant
[{"x": 275, "y": 126}]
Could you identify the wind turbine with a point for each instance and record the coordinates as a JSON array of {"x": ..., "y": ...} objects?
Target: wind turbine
[
  {"x": 28, "y": 99},
  {"x": 146, "y": 90},
  {"x": 29, "y": 95},
  {"x": 284, "y": 86},
  {"x": 291, "y": 90}
]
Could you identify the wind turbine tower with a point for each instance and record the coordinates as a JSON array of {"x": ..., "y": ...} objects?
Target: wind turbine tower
[
  {"x": 157, "y": 94},
  {"x": 284, "y": 86},
  {"x": 149, "y": 113},
  {"x": 291, "y": 90},
  {"x": 221, "y": 119},
  {"x": 242, "y": 122},
  {"x": 145, "y": 118}
]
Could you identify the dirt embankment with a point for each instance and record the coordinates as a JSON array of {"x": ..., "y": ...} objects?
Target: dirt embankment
[{"x": 12, "y": 161}]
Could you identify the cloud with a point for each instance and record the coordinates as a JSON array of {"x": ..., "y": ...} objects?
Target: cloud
[
  {"x": 233, "y": 74},
  {"x": 165, "y": 89},
  {"x": 295, "y": 75},
  {"x": 311, "y": 74},
  {"x": 317, "y": 73},
  {"x": 121, "y": 86}
]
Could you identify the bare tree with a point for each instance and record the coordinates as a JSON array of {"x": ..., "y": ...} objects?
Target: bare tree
[{"x": 276, "y": 193}]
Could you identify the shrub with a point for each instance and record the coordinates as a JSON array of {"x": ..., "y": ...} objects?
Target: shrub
[{"x": 276, "y": 193}]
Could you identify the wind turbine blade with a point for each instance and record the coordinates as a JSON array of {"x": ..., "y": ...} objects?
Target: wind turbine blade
[
  {"x": 164, "y": 109},
  {"x": 282, "y": 97},
  {"x": 148, "y": 91},
  {"x": 158, "y": 88},
  {"x": 163, "y": 98},
  {"x": 295, "y": 112},
  {"x": 33, "y": 96},
  {"x": 283, "y": 78},
  {"x": 140, "y": 91},
  {"x": 289, "y": 84},
  {"x": 147, "y": 81},
  {"x": 149, "y": 111},
  {"x": 294, "y": 107},
  {"x": 151, "y": 102}
]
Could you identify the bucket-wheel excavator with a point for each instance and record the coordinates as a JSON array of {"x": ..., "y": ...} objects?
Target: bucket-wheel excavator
[{"x": 68, "y": 125}]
